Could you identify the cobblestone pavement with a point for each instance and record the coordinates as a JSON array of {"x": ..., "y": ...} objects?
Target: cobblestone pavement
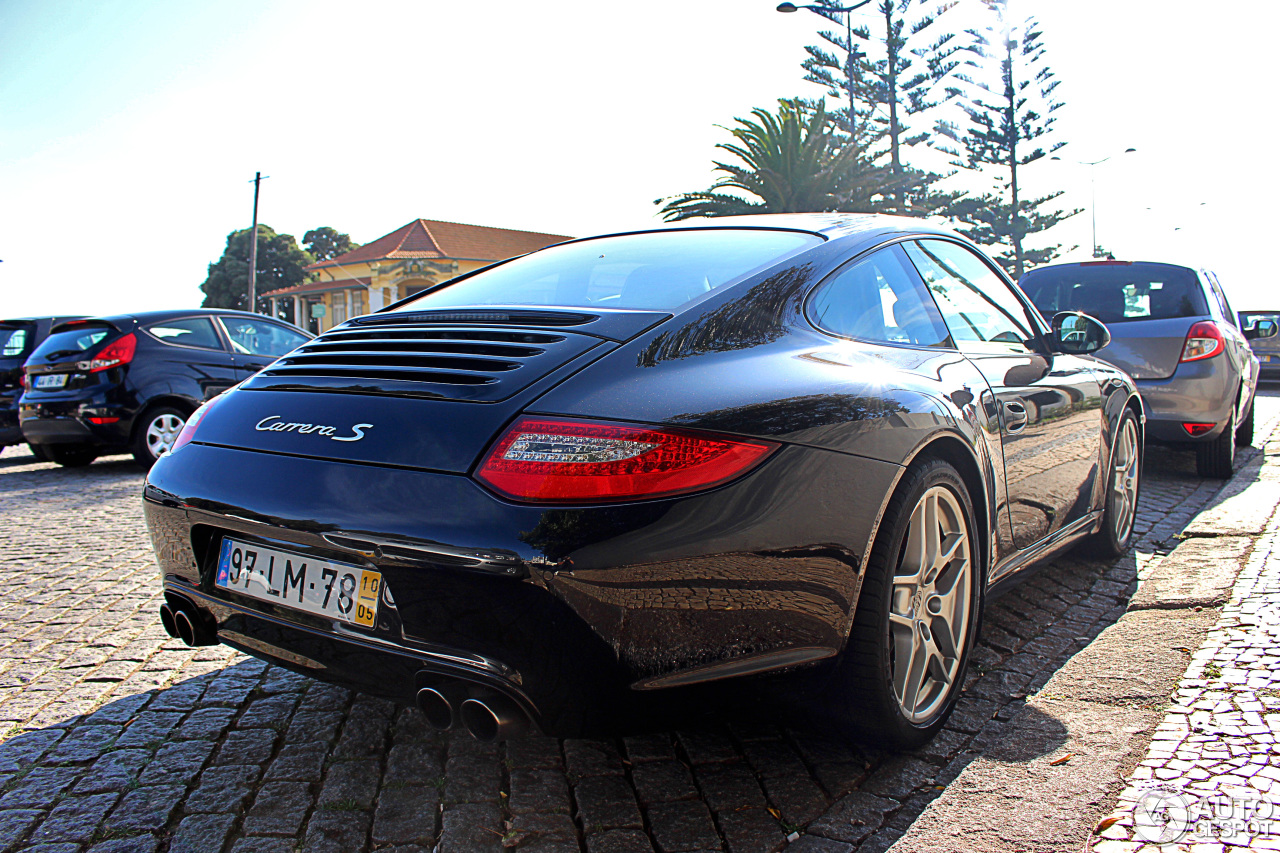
[
  {"x": 1211, "y": 779},
  {"x": 116, "y": 738}
]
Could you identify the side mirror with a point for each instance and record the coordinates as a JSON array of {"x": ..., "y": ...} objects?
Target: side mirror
[
  {"x": 1078, "y": 334},
  {"x": 1261, "y": 329}
]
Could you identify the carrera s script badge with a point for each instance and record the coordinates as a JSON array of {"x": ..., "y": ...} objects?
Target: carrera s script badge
[{"x": 272, "y": 423}]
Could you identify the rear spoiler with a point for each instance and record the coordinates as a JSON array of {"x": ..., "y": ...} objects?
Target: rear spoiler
[{"x": 84, "y": 321}]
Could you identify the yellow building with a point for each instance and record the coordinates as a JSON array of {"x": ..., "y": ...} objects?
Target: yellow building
[{"x": 419, "y": 255}]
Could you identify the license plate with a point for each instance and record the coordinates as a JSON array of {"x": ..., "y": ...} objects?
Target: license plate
[
  {"x": 1264, "y": 358},
  {"x": 51, "y": 380},
  {"x": 335, "y": 590}
]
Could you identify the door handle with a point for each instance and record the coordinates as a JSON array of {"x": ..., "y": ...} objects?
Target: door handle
[{"x": 1015, "y": 417}]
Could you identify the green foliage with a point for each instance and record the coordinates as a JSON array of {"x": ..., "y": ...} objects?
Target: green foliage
[
  {"x": 1007, "y": 94},
  {"x": 792, "y": 161},
  {"x": 280, "y": 264},
  {"x": 913, "y": 56},
  {"x": 325, "y": 243}
]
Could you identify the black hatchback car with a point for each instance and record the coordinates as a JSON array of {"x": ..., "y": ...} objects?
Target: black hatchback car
[
  {"x": 128, "y": 383},
  {"x": 18, "y": 339},
  {"x": 622, "y": 466}
]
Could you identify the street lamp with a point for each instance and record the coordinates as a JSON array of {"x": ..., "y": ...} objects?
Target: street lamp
[
  {"x": 1093, "y": 195},
  {"x": 854, "y": 54}
]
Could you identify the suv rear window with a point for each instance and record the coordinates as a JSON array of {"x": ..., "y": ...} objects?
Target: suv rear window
[
  {"x": 71, "y": 341},
  {"x": 1117, "y": 292},
  {"x": 657, "y": 271}
]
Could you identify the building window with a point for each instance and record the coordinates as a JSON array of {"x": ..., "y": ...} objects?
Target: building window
[{"x": 339, "y": 309}]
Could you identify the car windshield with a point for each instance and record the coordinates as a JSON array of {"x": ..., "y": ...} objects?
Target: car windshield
[
  {"x": 71, "y": 341},
  {"x": 1248, "y": 318},
  {"x": 1116, "y": 291},
  {"x": 658, "y": 271}
]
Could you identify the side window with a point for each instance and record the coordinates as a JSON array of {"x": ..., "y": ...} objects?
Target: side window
[
  {"x": 15, "y": 343},
  {"x": 879, "y": 298},
  {"x": 188, "y": 332},
  {"x": 978, "y": 307},
  {"x": 1220, "y": 295},
  {"x": 258, "y": 337}
]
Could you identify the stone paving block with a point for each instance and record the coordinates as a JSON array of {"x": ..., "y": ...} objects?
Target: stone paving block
[
  {"x": 663, "y": 781},
  {"x": 682, "y": 826},
  {"x": 177, "y": 762},
  {"x": 619, "y": 841},
  {"x": 350, "y": 783},
  {"x": 538, "y": 791},
  {"x": 223, "y": 789},
  {"x": 83, "y": 744},
  {"x": 263, "y": 844},
  {"x": 114, "y": 771},
  {"x": 75, "y": 818},
  {"x": 23, "y": 750},
  {"x": 1198, "y": 573},
  {"x": 149, "y": 729},
  {"x": 606, "y": 802},
  {"x": 852, "y": 818},
  {"x": 145, "y": 809},
  {"x": 471, "y": 779},
  {"x": 205, "y": 724},
  {"x": 728, "y": 787},
  {"x": 246, "y": 746},
  {"x": 133, "y": 844},
  {"x": 751, "y": 831},
  {"x": 298, "y": 762},
  {"x": 471, "y": 828},
  {"x": 591, "y": 758},
  {"x": 416, "y": 763},
  {"x": 798, "y": 798},
  {"x": 40, "y": 787},
  {"x": 336, "y": 831},
  {"x": 278, "y": 809},
  {"x": 527, "y": 828},
  {"x": 201, "y": 833},
  {"x": 14, "y": 824},
  {"x": 406, "y": 814}
]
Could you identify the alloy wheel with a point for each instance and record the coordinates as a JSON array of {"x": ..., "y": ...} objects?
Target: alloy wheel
[
  {"x": 929, "y": 612},
  {"x": 1124, "y": 481},
  {"x": 162, "y": 432}
]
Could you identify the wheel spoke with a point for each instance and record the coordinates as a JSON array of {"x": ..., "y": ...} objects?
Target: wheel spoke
[{"x": 913, "y": 676}]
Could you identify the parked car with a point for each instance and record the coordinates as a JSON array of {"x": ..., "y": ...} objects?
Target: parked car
[
  {"x": 1172, "y": 330},
  {"x": 18, "y": 337},
  {"x": 128, "y": 383},
  {"x": 625, "y": 465},
  {"x": 1266, "y": 349}
]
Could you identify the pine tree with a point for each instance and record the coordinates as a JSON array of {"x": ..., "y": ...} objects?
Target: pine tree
[
  {"x": 914, "y": 57},
  {"x": 1007, "y": 94}
]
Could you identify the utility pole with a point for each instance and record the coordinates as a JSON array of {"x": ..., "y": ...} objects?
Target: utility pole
[{"x": 253, "y": 247}]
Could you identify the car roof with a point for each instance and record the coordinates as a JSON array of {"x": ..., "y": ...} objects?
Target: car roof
[{"x": 869, "y": 226}]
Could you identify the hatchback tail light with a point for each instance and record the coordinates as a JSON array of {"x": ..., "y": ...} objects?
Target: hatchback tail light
[
  {"x": 1204, "y": 340},
  {"x": 551, "y": 460},
  {"x": 1197, "y": 430},
  {"x": 120, "y": 351}
]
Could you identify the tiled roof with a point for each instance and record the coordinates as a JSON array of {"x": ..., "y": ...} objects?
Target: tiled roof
[
  {"x": 319, "y": 287},
  {"x": 429, "y": 238}
]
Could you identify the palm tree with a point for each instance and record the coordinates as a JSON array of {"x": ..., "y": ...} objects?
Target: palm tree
[{"x": 794, "y": 161}]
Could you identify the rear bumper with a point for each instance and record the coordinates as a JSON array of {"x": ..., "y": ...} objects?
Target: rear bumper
[
  {"x": 67, "y": 423},
  {"x": 608, "y": 600},
  {"x": 1198, "y": 392}
]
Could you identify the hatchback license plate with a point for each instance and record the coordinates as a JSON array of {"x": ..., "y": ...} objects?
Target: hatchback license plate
[
  {"x": 1264, "y": 358},
  {"x": 335, "y": 590},
  {"x": 51, "y": 380}
]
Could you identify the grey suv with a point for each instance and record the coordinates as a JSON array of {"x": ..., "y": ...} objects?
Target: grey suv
[{"x": 1174, "y": 332}]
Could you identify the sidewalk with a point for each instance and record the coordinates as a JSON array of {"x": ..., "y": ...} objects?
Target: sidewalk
[{"x": 1101, "y": 758}]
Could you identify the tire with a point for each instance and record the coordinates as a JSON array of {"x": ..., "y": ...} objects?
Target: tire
[
  {"x": 904, "y": 704},
  {"x": 39, "y": 452},
  {"x": 1120, "y": 507},
  {"x": 71, "y": 455},
  {"x": 1244, "y": 432},
  {"x": 1217, "y": 458},
  {"x": 156, "y": 432}
]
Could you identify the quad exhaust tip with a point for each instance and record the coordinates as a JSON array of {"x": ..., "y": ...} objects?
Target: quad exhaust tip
[{"x": 489, "y": 718}]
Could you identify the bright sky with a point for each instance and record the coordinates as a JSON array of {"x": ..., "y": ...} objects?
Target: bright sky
[{"x": 129, "y": 130}]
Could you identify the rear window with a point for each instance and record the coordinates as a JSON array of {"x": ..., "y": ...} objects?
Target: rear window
[
  {"x": 13, "y": 342},
  {"x": 1115, "y": 293},
  {"x": 1248, "y": 318},
  {"x": 657, "y": 271},
  {"x": 71, "y": 341}
]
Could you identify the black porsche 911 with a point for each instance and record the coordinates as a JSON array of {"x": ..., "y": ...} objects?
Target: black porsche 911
[{"x": 623, "y": 465}]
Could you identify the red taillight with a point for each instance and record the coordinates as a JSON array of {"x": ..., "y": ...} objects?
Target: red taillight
[
  {"x": 189, "y": 428},
  {"x": 562, "y": 461},
  {"x": 1204, "y": 340},
  {"x": 101, "y": 421},
  {"x": 22, "y": 379},
  {"x": 120, "y": 351},
  {"x": 1197, "y": 430}
]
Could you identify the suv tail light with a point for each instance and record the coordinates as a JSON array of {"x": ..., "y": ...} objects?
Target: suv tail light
[
  {"x": 120, "y": 351},
  {"x": 1204, "y": 340},
  {"x": 554, "y": 460}
]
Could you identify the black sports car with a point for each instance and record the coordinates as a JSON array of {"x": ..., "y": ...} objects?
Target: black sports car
[{"x": 626, "y": 464}]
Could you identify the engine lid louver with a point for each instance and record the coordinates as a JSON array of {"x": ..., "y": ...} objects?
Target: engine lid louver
[{"x": 424, "y": 360}]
